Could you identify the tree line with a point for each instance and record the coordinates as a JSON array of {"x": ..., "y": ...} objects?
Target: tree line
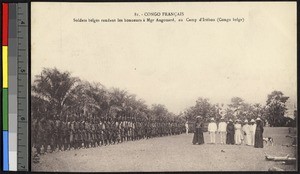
[
  {"x": 59, "y": 95},
  {"x": 272, "y": 113},
  {"x": 56, "y": 94}
]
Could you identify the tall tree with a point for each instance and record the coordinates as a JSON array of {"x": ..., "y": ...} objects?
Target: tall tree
[
  {"x": 56, "y": 89},
  {"x": 276, "y": 108}
]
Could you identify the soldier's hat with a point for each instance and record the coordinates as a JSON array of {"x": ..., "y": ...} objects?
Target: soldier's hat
[{"x": 252, "y": 121}]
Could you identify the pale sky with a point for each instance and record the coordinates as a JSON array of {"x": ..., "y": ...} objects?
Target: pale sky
[{"x": 172, "y": 63}]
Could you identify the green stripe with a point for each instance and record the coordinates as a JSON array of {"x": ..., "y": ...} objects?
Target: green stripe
[{"x": 5, "y": 108}]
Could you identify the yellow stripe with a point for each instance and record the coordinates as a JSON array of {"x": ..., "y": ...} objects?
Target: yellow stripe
[{"x": 5, "y": 66}]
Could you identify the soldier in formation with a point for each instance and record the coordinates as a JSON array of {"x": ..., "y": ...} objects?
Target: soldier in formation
[{"x": 76, "y": 132}]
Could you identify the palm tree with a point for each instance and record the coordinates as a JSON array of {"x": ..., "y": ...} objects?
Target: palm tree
[{"x": 55, "y": 88}]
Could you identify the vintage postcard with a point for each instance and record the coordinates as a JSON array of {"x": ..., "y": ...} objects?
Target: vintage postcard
[{"x": 163, "y": 86}]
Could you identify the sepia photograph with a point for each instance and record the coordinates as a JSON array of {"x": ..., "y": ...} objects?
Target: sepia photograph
[{"x": 163, "y": 86}]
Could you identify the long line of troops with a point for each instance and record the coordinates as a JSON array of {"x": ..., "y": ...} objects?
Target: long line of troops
[{"x": 92, "y": 132}]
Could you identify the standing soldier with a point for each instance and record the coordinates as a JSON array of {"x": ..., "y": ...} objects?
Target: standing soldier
[
  {"x": 118, "y": 129},
  {"x": 57, "y": 134},
  {"x": 34, "y": 137},
  {"x": 113, "y": 131},
  {"x": 105, "y": 132},
  {"x": 109, "y": 131},
  {"x": 64, "y": 134},
  {"x": 170, "y": 128},
  {"x": 121, "y": 130},
  {"x": 50, "y": 134},
  {"x": 98, "y": 132},
  {"x": 101, "y": 132},
  {"x": 133, "y": 133},
  {"x": 78, "y": 134},
  {"x": 83, "y": 130},
  {"x": 124, "y": 129},
  {"x": 148, "y": 129},
  {"x": 154, "y": 129},
  {"x": 151, "y": 128},
  {"x": 143, "y": 128},
  {"x": 72, "y": 131},
  {"x": 129, "y": 129},
  {"x": 86, "y": 134},
  {"x": 138, "y": 129},
  {"x": 40, "y": 136},
  {"x": 93, "y": 131},
  {"x": 144, "y": 125},
  {"x": 89, "y": 133}
]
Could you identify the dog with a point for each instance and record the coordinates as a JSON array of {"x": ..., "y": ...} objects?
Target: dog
[{"x": 269, "y": 140}]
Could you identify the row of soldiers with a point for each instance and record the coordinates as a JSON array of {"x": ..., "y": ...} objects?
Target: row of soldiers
[{"x": 76, "y": 132}]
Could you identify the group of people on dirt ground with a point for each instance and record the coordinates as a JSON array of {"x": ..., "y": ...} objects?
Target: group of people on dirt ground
[
  {"x": 248, "y": 133},
  {"x": 77, "y": 132}
]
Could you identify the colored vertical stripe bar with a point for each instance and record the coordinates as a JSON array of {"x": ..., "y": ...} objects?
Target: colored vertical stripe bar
[
  {"x": 4, "y": 24},
  {"x": 5, "y": 85},
  {"x": 5, "y": 66},
  {"x": 5, "y": 151}
]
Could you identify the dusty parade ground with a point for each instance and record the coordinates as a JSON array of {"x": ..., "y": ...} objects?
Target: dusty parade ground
[{"x": 172, "y": 153}]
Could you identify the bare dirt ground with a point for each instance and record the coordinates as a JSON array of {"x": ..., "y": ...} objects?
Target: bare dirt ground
[{"x": 173, "y": 153}]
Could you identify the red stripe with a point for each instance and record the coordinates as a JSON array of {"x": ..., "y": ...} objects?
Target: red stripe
[{"x": 5, "y": 24}]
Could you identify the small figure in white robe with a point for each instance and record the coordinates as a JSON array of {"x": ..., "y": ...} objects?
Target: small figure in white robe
[
  {"x": 222, "y": 130},
  {"x": 187, "y": 127},
  {"x": 212, "y": 129},
  {"x": 252, "y": 131},
  {"x": 238, "y": 132},
  {"x": 246, "y": 130}
]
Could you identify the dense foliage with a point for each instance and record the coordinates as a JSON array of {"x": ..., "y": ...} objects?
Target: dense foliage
[{"x": 58, "y": 94}]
